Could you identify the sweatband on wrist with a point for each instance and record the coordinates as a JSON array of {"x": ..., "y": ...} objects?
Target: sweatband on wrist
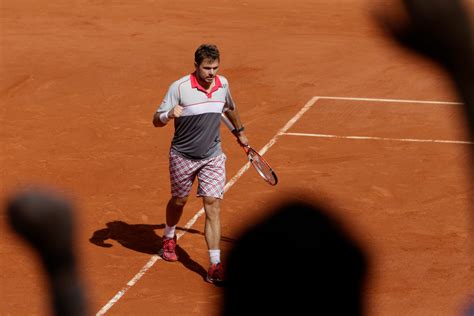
[
  {"x": 238, "y": 130},
  {"x": 164, "y": 117}
]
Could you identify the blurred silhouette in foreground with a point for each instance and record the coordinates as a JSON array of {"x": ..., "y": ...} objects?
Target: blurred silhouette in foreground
[
  {"x": 45, "y": 221},
  {"x": 442, "y": 31},
  {"x": 297, "y": 261}
]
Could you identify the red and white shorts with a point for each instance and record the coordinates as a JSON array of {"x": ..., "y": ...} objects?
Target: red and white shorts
[{"x": 210, "y": 173}]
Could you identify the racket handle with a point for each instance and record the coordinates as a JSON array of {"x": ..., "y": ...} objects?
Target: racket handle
[{"x": 227, "y": 122}]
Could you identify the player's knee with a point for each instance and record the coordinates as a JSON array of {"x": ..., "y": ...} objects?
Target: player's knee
[
  {"x": 179, "y": 201},
  {"x": 212, "y": 207},
  {"x": 211, "y": 201}
]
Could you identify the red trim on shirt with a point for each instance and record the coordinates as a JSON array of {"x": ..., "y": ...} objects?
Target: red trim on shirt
[
  {"x": 195, "y": 85},
  {"x": 204, "y": 103}
]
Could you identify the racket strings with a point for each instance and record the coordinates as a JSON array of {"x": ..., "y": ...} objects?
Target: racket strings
[{"x": 262, "y": 167}]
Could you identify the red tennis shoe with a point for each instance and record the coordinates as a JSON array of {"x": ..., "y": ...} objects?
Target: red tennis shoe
[
  {"x": 168, "y": 252},
  {"x": 215, "y": 274}
]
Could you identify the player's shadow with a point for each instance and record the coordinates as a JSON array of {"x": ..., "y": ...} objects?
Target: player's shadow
[{"x": 142, "y": 238}]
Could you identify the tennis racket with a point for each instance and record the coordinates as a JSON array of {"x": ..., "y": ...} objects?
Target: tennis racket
[{"x": 261, "y": 165}]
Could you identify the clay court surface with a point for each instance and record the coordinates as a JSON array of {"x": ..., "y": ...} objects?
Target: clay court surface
[{"x": 80, "y": 83}]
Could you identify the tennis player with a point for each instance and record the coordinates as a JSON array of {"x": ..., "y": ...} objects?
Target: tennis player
[{"x": 195, "y": 103}]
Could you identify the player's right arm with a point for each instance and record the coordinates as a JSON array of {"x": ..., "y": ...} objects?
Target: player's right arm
[
  {"x": 160, "y": 119},
  {"x": 169, "y": 108}
]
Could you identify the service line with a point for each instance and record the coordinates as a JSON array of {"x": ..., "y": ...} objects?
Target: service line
[
  {"x": 383, "y": 138},
  {"x": 389, "y": 100}
]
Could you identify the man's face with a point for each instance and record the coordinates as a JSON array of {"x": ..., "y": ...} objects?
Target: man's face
[{"x": 207, "y": 70}]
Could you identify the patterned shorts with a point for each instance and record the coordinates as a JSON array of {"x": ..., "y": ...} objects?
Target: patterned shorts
[{"x": 210, "y": 173}]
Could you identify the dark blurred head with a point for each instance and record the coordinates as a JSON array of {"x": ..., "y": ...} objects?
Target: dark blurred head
[{"x": 295, "y": 262}]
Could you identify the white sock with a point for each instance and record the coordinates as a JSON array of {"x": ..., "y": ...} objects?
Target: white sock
[
  {"x": 215, "y": 255},
  {"x": 169, "y": 231}
]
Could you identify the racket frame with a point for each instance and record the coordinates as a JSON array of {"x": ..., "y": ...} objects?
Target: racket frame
[{"x": 249, "y": 151}]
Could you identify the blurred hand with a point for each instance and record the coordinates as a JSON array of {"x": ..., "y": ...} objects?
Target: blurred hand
[
  {"x": 175, "y": 112},
  {"x": 242, "y": 139},
  {"x": 439, "y": 29}
]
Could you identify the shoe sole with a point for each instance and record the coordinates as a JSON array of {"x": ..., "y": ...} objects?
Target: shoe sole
[
  {"x": 160, "y": 253},
  {"x": 213, "y": 281}
]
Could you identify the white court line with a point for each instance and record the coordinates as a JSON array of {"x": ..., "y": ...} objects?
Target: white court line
[
  {"x": 191, "y": 222},
  {"x": 387, "y": 100},
  {"x": 383, "y": 138}
]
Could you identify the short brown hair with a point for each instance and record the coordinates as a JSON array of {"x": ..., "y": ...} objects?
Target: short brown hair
[{"x": 204, "y": 51}]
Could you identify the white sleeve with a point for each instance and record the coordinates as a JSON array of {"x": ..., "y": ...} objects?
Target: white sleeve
[
  {"x": 229, "y": 101},
  {"x": 170, "y": 100}
]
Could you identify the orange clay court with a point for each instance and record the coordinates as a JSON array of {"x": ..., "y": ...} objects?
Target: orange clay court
[{"x": 352, "y": 120}]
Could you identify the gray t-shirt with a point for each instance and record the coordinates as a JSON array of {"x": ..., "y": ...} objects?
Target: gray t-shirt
[{"x": 197, "y": 130}]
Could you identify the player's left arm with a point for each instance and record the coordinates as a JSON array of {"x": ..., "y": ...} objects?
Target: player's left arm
[
  {"x": 231, "y": 112},
  {"x": 234, "y": 118}
]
